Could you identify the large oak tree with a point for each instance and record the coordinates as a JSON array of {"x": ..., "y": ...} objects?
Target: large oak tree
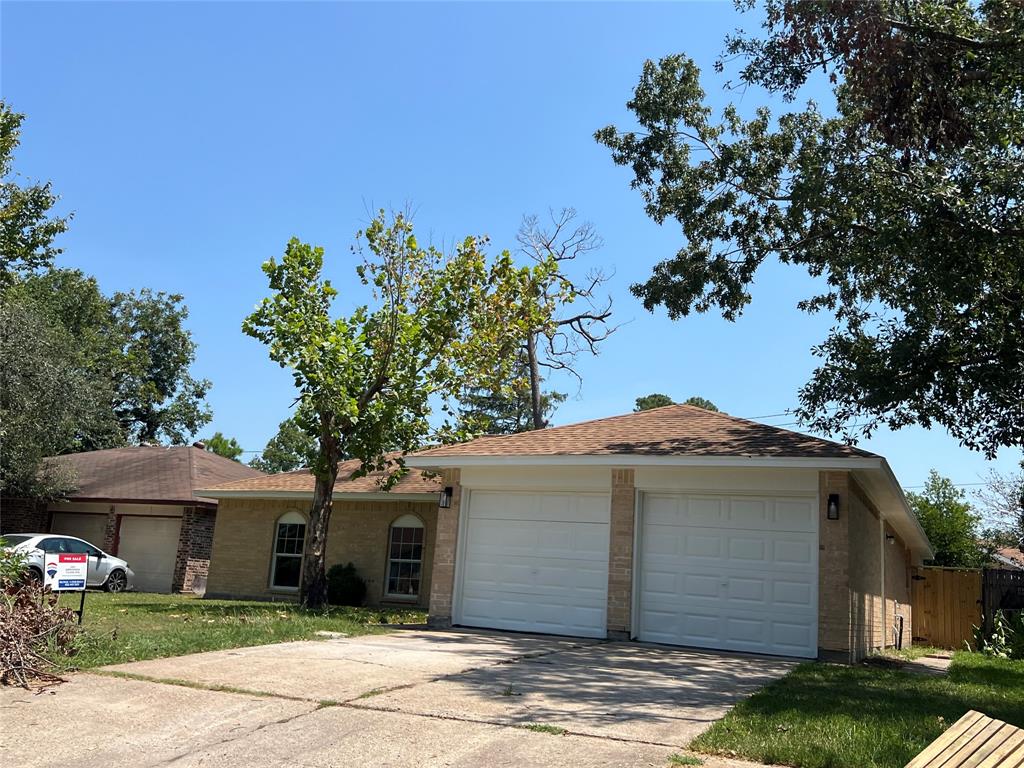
[{"x": 904, "y": 198}]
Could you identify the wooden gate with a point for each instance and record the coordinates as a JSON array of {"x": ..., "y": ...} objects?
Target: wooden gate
[
  {"x": 1002, "y": 590},
  {"x": 946, "y": 603}
]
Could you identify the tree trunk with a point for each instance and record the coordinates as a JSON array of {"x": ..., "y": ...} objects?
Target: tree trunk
[
  {"x": 536, "y": 405},
  {"x": 313, "y": 593}
]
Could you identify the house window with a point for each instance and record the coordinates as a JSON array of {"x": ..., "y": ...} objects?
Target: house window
[
  {"x": 289, "y": 546},
  {"x": 405, "y": 557}
]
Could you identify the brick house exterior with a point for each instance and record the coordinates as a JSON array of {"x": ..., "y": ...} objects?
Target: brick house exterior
[
  {"x": 138, "y": 503},
  {"x": 360, "y": 532},
  {"x": 864, "y": 557}
]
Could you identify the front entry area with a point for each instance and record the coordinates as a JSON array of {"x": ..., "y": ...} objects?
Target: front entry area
[
  {"x": 730, "y": 572},
  {"x": 535, "y": 562}
]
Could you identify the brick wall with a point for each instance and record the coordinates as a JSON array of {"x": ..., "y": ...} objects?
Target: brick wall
[
  {"x": 897, "y": 585},
  {"x": 358, "y": 533},
  {"x": 833, "y": 567},
  {"x": 620, "y": 555},
  {"x": 866, "y": 620},
  {"x": 23, "y": 516},
  {"x": 192, "y": 565},
  {"x": 444, "y": 554}
]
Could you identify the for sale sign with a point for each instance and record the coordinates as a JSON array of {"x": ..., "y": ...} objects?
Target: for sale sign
[{"x": 64, "y": 572}]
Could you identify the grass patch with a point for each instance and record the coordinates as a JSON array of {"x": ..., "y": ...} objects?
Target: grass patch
[
  {"x": 371, "y": 693},
  {"x": 127, "y": 627},
  {"x": 554, "y": 730},
  {"x": 911, "y": 653},
  {"x": 684, "y": 760},
  {"x": 835, "y": 716}
]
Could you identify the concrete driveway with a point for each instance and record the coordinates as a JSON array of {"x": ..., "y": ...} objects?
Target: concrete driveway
[{"x": 411, "y": 698}]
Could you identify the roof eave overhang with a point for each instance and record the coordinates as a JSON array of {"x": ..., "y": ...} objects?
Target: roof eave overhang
[
  {"x": 639, "y": 460},
  {"x": 885, "y": 490},
  {"x": 195, "y": 502},
  {"x": 308, "y": 495}
]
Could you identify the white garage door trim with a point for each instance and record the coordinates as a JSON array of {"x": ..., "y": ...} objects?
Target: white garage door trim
[
  {"x": 597, "y": 612},
  {"x": 811, "y": 538}
]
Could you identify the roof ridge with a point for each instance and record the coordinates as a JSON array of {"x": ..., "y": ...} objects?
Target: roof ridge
[{"x": 774, "y": 428}]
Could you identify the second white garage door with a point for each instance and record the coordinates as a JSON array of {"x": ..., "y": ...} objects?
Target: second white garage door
[
  {"x": 81, "y": 525},
  {"x": 536, "y": 562},
  {"x": 150, "y": 545},
  {"x": 729, "y": 572}
]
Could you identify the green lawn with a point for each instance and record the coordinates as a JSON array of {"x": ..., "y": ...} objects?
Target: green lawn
[
  {"x": 132, "y": 627},
  {"x": 834, "y": 716}
]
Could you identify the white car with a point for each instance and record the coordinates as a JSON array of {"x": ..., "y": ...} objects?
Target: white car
[{"x": 105, "y": 571}]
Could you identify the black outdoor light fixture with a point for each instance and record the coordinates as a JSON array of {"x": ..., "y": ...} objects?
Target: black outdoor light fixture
[
  {"x": 890, "y": 539},
  {"x": 444, "y": 500},
  {"x": 833, "y": 506}
]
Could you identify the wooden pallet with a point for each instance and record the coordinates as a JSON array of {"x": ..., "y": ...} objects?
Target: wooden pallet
[{"x": 974, "y": 741}]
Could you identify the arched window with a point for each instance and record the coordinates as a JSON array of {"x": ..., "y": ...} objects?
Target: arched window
[
  {"x": 405, "y": 557},
  {"x": 289, "y": 546}
]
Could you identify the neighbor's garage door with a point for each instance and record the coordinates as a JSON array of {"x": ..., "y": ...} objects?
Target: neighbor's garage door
[
  {"x": 83, "y": 526},
  {"x": 731, "y": 572},
  {"x": 150, "y": 545},
  {"x": 536, "y": 562}
]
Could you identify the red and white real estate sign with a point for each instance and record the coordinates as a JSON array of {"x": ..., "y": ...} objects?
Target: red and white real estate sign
[{"x": 65, "y": 572}]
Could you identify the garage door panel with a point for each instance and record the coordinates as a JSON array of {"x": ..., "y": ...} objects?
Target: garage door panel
[
  {"x": 737, "y": 588},
  {"x": 89, "y": 527},
  {"x": 150, "y": 545},
  {"x": 535, "y": 562}
]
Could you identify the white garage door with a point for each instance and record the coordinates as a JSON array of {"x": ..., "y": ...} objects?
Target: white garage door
[
  {"x": 82, "y": 526},
  {"x": 730, "y": 572},
  {"x": 536, "y": 562},
  {"x": 150, "y": 545}
]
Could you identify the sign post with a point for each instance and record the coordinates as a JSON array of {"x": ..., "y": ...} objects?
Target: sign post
[{"x": 67, "y": 572}]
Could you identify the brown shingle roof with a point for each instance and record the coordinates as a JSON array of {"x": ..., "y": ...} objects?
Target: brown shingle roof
[
  {"x": 301, "y": 481},
  {"x": 675, "y": 430},
  {"x": 151, "y": 473}
]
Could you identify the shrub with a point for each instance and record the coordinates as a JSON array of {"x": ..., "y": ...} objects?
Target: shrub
[
  {"x": 1006, "y": 640},
  {"x": 345, "y": 586}
]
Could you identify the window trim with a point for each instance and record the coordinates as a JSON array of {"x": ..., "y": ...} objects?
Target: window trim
[
  {"x": 288, "y": 518},
  {"x": 405, "y": 521}
]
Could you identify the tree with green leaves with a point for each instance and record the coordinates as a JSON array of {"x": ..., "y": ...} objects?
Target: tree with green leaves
[
  {"x": 561, "y": 315},
  {"x": 701, "y": 402},
  {"x": 157, "y": 397},
  {"x": 656, "y": 400},
  {"x": 291, "y": 448},
  {"x": 508, "y": 409},
  {"x": 949, "y": 521},
  {"x": 28, "y": 226},
  {"x": 227, "y": 447},
  {"x": 904, "y": 201},
  {"x": 366, "y": 381}
]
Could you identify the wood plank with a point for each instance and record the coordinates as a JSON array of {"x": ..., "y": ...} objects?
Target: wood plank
[
  {"x": 994, "y": 742},
  {"x": 955, "y": 756},
  {"x": 968, "y": 723},
  {"x": 1010, "y": 752}
]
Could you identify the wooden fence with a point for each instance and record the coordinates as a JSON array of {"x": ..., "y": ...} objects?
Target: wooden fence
[
  {"x": 946, "y": 604},
  {"x": 1001, "y": 589}
]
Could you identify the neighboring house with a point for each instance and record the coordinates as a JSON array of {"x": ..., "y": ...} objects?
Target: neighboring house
[
  {"x": 675, "y": 525},
  {"x": 139, "y": 503},
  {"x": 1009, "y": 557},
  {"x": 260, "y": 537}
]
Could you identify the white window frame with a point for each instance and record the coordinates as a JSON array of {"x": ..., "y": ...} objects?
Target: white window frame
[
  {"x": 288, "y": 518},
  {"x": 405, "y": 521}
]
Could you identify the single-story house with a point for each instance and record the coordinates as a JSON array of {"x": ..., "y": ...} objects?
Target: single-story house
[
  {"x": 140, "y": 504},
  {"x": 675, "y": 525},
  {"x": 1011, "y": 558},
  {"x": 260, "y": 537}
]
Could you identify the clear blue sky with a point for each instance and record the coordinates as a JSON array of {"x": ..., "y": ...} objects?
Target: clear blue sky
[{"x": 191, "y": 140}]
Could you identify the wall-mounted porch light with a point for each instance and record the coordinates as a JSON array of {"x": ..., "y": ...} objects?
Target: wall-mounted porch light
[
  {"x": 890, "y": 539},
  {"x": 444, "y": 500},
  {"x": 833, "y": 506}
]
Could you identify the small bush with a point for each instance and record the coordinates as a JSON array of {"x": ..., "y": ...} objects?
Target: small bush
[
  {"x": 1007, "y": 638},
  {"x": 345, "y": 586}
]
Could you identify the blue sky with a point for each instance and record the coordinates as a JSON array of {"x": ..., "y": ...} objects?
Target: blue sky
[{"x": 191, "y": 140}]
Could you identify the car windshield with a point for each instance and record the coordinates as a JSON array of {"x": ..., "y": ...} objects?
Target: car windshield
[{"x": 13, "y": 540}]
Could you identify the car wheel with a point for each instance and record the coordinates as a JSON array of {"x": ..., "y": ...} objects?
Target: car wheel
[
  {"x": 35, "y": 575},
  {"x": 116, "y": 582}
]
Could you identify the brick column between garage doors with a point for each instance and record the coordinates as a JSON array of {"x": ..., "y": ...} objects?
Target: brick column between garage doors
[
  {"x": 620, "y": 554},
  {"x": 442, "y": 579},
  {"x": 195, "y": 543}
]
